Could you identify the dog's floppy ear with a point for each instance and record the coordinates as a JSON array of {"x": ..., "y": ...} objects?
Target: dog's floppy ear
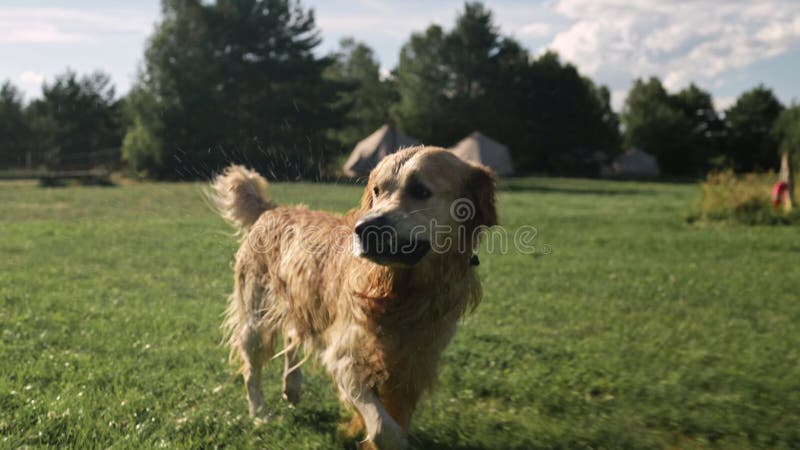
[{"x": 480, "y": 189}]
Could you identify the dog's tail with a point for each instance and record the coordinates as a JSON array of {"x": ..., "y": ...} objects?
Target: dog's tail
[{"x": 239, "y": 195}]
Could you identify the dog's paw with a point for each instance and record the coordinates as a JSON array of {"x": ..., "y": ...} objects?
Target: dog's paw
[
  {"x": 366, "y": 445},
  {"x": 292, "y": 387},
  {"x": 371, "y": 445},
  {"x": 291, "y": 394},
  {"x": 261, "y": 416},
  {"x": 390, "y": 437},
  {"x": 352, "y": 429}
]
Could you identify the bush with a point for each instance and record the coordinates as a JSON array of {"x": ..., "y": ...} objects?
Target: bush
[
  {"x": 747, "y": 199},
  {"x": 140, "y": 149}
]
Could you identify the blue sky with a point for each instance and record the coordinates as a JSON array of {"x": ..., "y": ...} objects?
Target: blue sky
[{"x": 725, "y": 46}]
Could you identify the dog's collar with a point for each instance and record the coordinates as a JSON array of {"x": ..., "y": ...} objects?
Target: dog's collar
[{"x": 474, "y": 261}]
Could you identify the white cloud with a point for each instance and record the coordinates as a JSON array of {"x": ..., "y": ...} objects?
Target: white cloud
[
  {"x": 32, "y": 78},
  {"x": 57, "y": 26},
  {"x": 680, "y": 41},
  {"x": 723, "y": 103},
  {"x": 358, "y": 25},
  {"x": 370, "y": 18},
  {"x": 535, "y": 30},
  {"x": 39, "y": 34},
  {"x": 386, "y": 24},
  {"x": 375, "y": 5},
  {"x": 618, "y": 97}
]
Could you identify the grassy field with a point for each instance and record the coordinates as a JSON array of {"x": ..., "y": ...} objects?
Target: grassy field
[{"x": 635, "y": 331}]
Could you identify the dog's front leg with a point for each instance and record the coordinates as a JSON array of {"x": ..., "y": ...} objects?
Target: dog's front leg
[
  {"x": 292, "y": 377},
  {"x": 382, "y": 430}
]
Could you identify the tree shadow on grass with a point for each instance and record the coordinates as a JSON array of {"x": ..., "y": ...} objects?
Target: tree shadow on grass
[
  {"x": 564, "y": 190},
  {"x": 420, "y": 441},
  {"x": 313, "y": 418}
]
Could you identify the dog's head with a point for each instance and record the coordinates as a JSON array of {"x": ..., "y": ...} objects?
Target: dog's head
[{"x": 422, "y": 200}]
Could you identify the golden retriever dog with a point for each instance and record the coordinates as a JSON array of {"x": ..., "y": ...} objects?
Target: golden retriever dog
[{"x": 375, "y": 294}]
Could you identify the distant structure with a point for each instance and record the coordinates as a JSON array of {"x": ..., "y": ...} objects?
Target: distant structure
[
  {"x": 481, "y": 149},
  {"x": 785, "y": 178},
  {"x": 367, "y": 153},
  {"x": 635, "y": 163}
]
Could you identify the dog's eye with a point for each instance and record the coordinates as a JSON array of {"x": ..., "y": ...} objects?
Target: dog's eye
[
  {"x": 376, "y": 191},
  {"x": 419, "y": 192}
]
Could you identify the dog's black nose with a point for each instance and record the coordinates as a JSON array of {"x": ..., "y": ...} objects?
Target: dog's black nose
[{"x": 370, "y": 223}]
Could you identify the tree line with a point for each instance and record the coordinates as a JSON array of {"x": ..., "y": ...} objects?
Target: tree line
[{"x": 240, "y": 81}]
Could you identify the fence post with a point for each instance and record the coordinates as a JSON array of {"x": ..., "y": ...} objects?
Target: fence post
[{"x": 787, "y": 176}]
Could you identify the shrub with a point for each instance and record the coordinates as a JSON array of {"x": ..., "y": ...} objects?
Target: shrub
[
  {"x": 726, "y": 197},
  {"x": 140, "y": 149}
]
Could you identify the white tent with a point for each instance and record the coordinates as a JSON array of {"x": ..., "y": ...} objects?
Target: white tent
[
  {"x": 481, "y": 149},
  {"x": 636, "y": 163},
  {"x": 384, "y": 141}
]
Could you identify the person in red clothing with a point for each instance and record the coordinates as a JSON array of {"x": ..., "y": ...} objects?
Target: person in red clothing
[
  {"x": 782, "y": 191},
  {"x": 779, "y": 191}
]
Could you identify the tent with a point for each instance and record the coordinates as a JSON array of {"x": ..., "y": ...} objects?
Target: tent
[
  {"x": 384, "y": 141},
  {"x": 636, "y": 163},
  {"x": 481, "y": 149}
]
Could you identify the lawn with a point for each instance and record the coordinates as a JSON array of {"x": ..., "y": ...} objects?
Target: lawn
[{"x": 628, "y": 328}]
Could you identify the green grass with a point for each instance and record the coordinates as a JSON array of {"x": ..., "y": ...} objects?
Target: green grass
[
  {"x": 745, "y": 199},
  {"x": 636, "y": 331}
]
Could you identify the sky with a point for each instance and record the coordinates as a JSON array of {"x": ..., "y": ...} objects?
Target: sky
[{"x": 724, "y": 46}]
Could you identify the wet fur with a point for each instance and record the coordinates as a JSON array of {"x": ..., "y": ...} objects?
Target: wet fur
[{"x": 379, "y": 331}]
